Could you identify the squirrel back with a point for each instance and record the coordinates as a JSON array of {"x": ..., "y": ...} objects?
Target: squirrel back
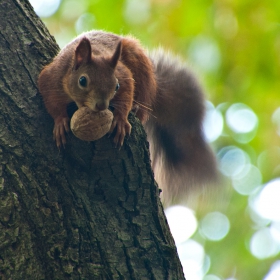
[{"x": 181, "y": 158}]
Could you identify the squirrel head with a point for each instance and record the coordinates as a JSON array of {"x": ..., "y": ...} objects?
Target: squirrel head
[{"x": 92, "y": 82}]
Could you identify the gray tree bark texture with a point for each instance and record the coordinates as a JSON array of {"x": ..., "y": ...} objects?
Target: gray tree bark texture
[{"x": 90, "y": 211}]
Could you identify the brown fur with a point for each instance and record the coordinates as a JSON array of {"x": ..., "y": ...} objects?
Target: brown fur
[
  {"x": 102, "y": 58},
  {"x": 158, "y": 83}
]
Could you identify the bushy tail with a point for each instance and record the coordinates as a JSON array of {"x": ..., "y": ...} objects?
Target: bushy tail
[{"x": 181, "y": 158}]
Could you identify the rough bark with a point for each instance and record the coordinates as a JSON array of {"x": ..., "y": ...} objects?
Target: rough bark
[{"x": 90, "y": 211}]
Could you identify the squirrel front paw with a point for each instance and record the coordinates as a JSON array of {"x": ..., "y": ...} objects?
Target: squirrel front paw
[
  {"x": 61, "y": 125},
  {"x": 122, "y": 128}
]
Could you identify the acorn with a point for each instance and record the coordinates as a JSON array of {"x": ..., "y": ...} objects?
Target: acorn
[{"x": 89, "y": 125}]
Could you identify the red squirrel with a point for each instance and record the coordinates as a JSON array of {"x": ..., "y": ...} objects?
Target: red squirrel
[{"x": 98, "y": 69}]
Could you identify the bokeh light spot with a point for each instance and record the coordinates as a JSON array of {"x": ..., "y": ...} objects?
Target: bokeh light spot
[
  {"x": 45, "y": 8},
  {"x": 214, "y": 226},
  {"x": 213, "y": 123},
  {"x": 241, "y": 119},
  {"x": 191, "y": 255},
  {"x": 204, "y": 53},
  {"x": 263, "y": 245},
  {"x": 182, "y": 222},
  {"x": 85, "y": 23},
  {"x": 267, "y": 202},
  {"x": 275, "y": 231},
  {"x": 232, "y": 161},
  {"x": 274, "y": 272},
  {"x": 247, "y": 182}
]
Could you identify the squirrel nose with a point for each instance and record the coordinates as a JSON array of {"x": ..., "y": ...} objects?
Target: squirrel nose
[{"x": 102, "y": 105}]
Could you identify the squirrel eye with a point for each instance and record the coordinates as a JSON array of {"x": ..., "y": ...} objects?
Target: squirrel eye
[
  {"x": 117, "y": 87},
  {"x": 83, "y": 81}
]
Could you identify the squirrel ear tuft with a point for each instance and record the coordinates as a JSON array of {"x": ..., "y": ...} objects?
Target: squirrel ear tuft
[
  {"x": 82, "y": 53},
  {"x": 116, "y": 56}
]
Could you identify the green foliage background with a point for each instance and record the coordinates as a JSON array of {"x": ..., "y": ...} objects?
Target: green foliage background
[{"x": 246, "y": 37}]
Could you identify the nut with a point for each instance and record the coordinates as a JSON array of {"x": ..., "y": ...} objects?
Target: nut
[{"x": 89, "y": 125}]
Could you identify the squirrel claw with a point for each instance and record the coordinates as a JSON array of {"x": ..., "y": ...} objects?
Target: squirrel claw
[
  {"x": 122, "y": 128},
  {"x": 61, "y": 126}
]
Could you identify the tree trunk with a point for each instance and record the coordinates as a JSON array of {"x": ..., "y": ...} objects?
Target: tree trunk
[{"x": 90, "y": 211}]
